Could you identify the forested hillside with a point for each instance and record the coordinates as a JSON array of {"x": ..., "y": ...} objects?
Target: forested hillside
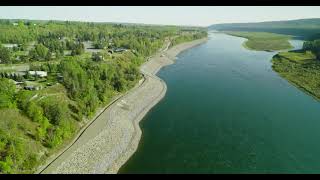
[{"x": 302, "y": 28}]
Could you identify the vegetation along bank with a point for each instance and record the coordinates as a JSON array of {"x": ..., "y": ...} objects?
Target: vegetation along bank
[{"x": 56, "y": 74}]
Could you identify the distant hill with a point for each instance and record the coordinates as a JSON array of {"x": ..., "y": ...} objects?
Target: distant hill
[{"x": 301, "y": 28}]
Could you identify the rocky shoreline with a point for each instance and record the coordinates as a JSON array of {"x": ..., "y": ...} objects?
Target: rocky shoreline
[{"x": 114, "y": 136}]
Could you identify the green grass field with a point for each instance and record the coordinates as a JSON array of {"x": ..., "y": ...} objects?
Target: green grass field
[
  {"x": 300, "y": 69},
  {"x": 263, "y": 41},
  {"x": 297, "y": 56}
]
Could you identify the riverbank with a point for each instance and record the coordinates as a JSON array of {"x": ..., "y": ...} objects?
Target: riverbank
[
  {"x": 299, "y": 69},
  {"x": 110, "y": 140}
]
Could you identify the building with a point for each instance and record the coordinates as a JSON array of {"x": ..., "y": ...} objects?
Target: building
[
  {"x": 17, "y": 83},
  {"x": 120, "y": 50},
  {"x": 10, "y": 45},
  {"x": 38, "y": 73},
  {"x": 32, "y": 88}
]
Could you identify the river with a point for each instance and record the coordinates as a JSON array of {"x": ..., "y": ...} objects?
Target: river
[{"x": 227, "y": 111}]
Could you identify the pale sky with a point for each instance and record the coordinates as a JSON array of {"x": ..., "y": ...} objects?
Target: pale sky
[{"x": 169, "y": 15}]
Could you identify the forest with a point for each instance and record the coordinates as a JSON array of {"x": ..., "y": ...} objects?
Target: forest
[
  {"x": 313, "y": 46},
  {"x": 54, "y": 75}
]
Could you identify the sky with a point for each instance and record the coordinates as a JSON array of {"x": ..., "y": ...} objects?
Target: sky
[{"x": 166, "y": 15}]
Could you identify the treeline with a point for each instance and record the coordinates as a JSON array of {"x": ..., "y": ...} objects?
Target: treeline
[
  {"x": 313, "y": 46},
  {"x": 81, "y": 31},
  {"x": 184, "y": 37},
  {"x": 301, "y": 28},
  {"x": 49, "y": 40}
]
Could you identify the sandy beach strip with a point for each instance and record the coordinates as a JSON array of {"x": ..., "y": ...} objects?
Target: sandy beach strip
[{"x": 111, "y": 139}]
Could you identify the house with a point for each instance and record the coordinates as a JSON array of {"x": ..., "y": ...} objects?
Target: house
[
  {"x": 15, "y": 24},
  {"x": 38, "y": 73}
]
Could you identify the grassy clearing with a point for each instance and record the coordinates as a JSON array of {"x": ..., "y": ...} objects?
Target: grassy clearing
[
  {"x": 297, "y": 56},
  {"x": 17, "y": 125},
  {"x": 263, "y": 41}
]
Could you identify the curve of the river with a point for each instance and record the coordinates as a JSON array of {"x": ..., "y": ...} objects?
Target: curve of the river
[{"x": 227, "y": 111}]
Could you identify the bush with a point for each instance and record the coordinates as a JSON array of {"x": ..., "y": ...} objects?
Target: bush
[
  {"x": 5, "y": 55},
  {"x": 55, "y": 110},
  {"x": 7, "y": 92},
  {"x": 11, "y": 153},
  {"x": 34, "y": 111}
]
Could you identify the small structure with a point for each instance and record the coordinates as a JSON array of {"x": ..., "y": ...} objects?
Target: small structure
[
  {"x": 10, "y": 45},
  {"x": 120, "y": 50},
  {"x": 38, "y": 73},
  {"x": 88, "y": 45},
  {"x": 17, "y": 83},
  {"x": 31, "y": 45},
  {"x": 32, "y": 88}
]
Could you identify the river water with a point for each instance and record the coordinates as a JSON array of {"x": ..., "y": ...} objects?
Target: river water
[{"x": 227, "y": 111}]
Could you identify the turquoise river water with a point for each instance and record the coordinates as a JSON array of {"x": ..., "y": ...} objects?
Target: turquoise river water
[{"x": 227, "y": 111}]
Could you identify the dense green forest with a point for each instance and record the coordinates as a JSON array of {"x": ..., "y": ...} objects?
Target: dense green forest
[
  {"x": 313, "y": 46},
  {"x": 303, "y": 28},
  {"x": 185, "y": 36},
  {"x": 54, "y": 75}
]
